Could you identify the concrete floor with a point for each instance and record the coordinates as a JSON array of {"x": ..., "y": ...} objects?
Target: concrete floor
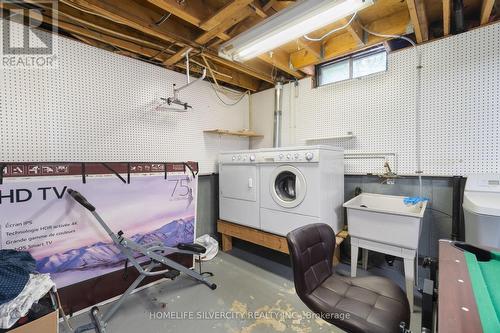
[{"x": 251, "y": 280}]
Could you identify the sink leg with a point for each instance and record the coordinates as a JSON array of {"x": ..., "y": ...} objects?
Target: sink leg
[
  {"x": 354, "y": 260},
  {"x": 364, "y": 258},
  {"x": 410, "y": 279}
]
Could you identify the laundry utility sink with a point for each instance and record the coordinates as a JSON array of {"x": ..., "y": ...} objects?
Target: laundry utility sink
[
  {"x": 384, "y": 223},
  {"x": 385, "y": 218}
]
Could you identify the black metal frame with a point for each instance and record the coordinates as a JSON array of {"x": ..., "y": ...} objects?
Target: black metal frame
[{"x": 108, "y": 167}]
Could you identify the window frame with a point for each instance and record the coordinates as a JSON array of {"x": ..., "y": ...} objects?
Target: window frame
[{"x": 350, "y": 58}]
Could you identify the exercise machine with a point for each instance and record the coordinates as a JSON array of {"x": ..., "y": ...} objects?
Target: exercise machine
[{"x": 156, "y": 253}]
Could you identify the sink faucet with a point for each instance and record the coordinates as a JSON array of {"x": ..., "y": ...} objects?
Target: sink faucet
[
  {"x": 388, "y": 174},
  {"x": 387, "y": 170}
]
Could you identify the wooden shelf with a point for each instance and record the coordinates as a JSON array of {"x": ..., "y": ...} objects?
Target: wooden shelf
[{"x": 248, "y": 134}]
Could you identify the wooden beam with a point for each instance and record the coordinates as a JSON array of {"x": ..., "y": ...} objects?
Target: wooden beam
[
  {"x": 207, "y": 36},
  {"x": 418, "y": 16},
  {"x": 128, "y": 48},
  {"x": 355, "y": 30},
  {"x": 102, "y": 25},
  {"x": 258, "y": 9},
  {"x": 190, "y": 11},
  {"x": 223, "y": 74},
  {"x": 280, "y": 59},
  {"x": 193, "y": 12},
  {"x": 240, "y": 67},
  {"x": 225, "y": 13},
  {"x": 269, "y": 5},
  {"x": 446, "y": 17},
  {"x": 132, "y": 14},
  {"x": 313, "y": 47},
  {"x": 139, "y": 22},
  {"x": 242, "y": 14},
  {"x": 172, "y": 60},
  {"x": 344, "y": 44},
  {"x": 486, "y": 9}
]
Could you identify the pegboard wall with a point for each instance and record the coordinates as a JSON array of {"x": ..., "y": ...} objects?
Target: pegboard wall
[
  {"x": 99, "y": 106},
  {"x": 460, "y": 110}
]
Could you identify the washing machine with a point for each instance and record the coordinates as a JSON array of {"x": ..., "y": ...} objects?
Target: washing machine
[
  {"x": 300, "y": 186},
  {"x": 482, "y": 210},
  {"x": 239, "y": 188}
]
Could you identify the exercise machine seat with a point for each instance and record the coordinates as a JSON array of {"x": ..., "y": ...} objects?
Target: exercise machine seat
[
  {"x": 357, "y": 305},
  {"x": 193, "y": 247}
]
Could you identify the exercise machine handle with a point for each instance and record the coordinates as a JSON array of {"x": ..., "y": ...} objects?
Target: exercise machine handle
[{"x": 81, "y": 199}]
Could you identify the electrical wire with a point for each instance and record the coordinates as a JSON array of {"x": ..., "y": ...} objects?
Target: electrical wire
[
  {"x": 331, "y": 31},
  {"x": 163, "y": 19},
  {"x": 221, "y": 90}
]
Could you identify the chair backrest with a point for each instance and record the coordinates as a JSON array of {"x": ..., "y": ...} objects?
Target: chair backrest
[{"x": 311, "y": 252}]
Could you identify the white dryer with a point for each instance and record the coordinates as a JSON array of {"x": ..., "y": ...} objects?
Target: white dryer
[
  {"x": 238, "y": 188},
  {"x": 300, "y": 186}
]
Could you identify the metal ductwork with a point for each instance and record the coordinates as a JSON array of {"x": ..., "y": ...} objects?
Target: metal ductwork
[{"x": 278, "y": 108}]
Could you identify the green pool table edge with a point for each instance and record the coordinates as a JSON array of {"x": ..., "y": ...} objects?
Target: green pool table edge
[{"x": 487, "y": 313}]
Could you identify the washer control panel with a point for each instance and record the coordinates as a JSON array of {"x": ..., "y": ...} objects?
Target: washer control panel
[
  {"x": 238, "y": 158},
  {"x": 289, "y": 156},
  {"x": 271, "y": 156}
]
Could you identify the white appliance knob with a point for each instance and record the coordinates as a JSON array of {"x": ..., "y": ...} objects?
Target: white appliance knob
[
  {"x": 288, "y": 156},
  {"x": 281, "y": 156},
  {"x": 309, "y": 156},
  {"x": 239, "y": 157},
  {"x": 234, "y": 158},
  {"x": 296, "y": 156},
  {"x": 252, "y": 158}
]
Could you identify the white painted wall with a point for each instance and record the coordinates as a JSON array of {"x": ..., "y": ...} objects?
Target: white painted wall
[
  {"x": 460, "y": 109},
  {"x": 99, "y": 106}
]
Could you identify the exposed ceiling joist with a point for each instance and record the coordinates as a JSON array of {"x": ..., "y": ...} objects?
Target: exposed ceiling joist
[
  {"x": 344, "y": 44},
  {"x": 281, "y": 59},
  {"x": 222, "y": 74},
  {"x": 355, "y": 30},
  {"x": 225, "y": 13},
  {"x": 126, "y": 12},
  {"x": 486, "y": 9},
  {"x": 101, "y": 24},
  {"x": 191, "y": 11},
  {"x": 419, "y": 19},
  {"x": 129, "y": 48},
  {"x": 135, "y": 16},
  {"x": 173, "y": 59},
  {"x": 258, "y": 9},
  {"x": 240, "y": 67},
  {"x": 269, "y": 5},
  {"x": 217, "y": 31},
  {"x": 446, "y": 17},
  {"x": 313, "y": 47},
  {"x": 242, "y": 14}
]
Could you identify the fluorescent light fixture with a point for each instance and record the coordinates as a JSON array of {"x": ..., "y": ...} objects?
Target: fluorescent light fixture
[{"x": 289, "y": 24}]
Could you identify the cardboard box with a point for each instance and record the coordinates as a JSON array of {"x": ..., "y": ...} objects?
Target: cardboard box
[{"x": 46, "y": 324}]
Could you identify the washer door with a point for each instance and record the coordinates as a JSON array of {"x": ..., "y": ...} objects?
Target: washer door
[{"x": 287, "y": 186}]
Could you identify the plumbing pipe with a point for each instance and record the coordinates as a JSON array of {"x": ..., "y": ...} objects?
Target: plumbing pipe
[{"x": 278, "y": 108}]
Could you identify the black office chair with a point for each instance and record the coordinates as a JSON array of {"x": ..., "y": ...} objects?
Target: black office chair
[{"x": 357, "y": 305}]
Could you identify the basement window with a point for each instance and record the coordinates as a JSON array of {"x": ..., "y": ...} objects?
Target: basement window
[{"x": 357, "y": 65}]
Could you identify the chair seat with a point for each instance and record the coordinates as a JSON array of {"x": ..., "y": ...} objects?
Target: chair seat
[
  {"x": 373, "y": 304},
  {"x": 193, "y": 247}
]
